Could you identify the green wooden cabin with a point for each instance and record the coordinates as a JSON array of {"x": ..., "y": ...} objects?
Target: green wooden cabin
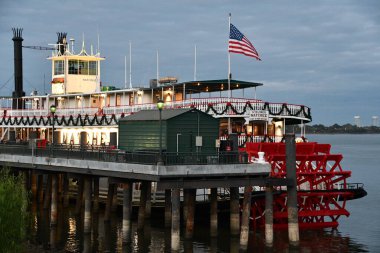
[{"x": 141, "y": 131}]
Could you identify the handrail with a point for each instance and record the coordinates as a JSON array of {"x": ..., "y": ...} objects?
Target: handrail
[
  {"x": 218, "y": 104},
  {"x": 108, "y": 154}
]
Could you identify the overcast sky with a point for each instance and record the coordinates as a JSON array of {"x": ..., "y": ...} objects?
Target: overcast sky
[{"x": 324, "y": 54}]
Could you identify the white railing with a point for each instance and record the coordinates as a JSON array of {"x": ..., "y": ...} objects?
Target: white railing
[{"x": 218, "y": 104}]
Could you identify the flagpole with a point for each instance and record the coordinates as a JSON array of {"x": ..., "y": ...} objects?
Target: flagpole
[
  {"x": 195, "y": 62},
  {"x": 125, "y": 71},
  {"x": 229, "y": 73},
  {"x": 130, "y": 64}
]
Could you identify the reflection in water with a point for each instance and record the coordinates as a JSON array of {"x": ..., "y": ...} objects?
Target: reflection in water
[{"x": 68, "y": 236}]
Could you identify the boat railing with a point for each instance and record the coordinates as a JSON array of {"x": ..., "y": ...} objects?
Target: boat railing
[{"x": 219, "y": 107}]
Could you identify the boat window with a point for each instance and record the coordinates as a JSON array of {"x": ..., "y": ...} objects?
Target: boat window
[
  {"x": 73, "y": 67},
  {"x": 92, "y": 70},
  {"x": 83, "y": 67},
  {"x": 58, "y": 68}
]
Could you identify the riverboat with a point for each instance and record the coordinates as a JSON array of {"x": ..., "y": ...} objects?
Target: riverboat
[{"x": 86, "y": 113}]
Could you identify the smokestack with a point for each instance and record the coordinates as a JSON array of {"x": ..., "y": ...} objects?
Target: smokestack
[
  {"x": 18, "y": 92},
  {"x": 62, "y": 42}
]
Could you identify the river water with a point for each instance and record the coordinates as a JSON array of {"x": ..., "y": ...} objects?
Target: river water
[{"x": 360, "y": 232}]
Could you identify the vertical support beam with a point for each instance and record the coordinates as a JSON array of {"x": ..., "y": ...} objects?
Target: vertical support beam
[
  {"x": 127, "y": 204},
  {"x": 175, "y": 232},
  {"x": 66, "y": 190},
  {"x": 245, "y": 218},
  {"x": 168, "y": 208},
  {"x": 293, "y": 229},
  {"x": 185, "y": 201},
  {"x": 110, "y": 193},
  {"x": 190, "y": 206},
  {"x": 47, "y": 196},
  {"x": 40, "y": 188},
  {"x": 96, "y": 194},
  {"x": 33, "y": 185},
  {"x": 54, "y": 204},
  {"x": 114, "y": 199},
  {"x": 148, "y": 206},
  {"x": 269, "y": 216},
  {"x": 87, "y": 204},
  {"x": 79, "y": 200},
  {"x": 214, "y": 212},
  {"x": 142, "y": 207},
  {"x": 234, "y": 211}
]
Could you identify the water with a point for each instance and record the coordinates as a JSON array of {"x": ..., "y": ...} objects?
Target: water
[{"x": 358, "y": 233}]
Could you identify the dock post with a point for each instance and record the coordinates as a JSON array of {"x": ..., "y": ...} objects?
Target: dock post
[
  {"x": 269, "y": 216},
  {"x": 127, "y": 204},
  {"x": 168, "y": 208},
  {"x": 148, "y": 206},
  {"x": 293, "y": 229},
  {"x": 234, "y": 211},
  {"x": 114, "y": 199},
  {"x": 244, "y": 233},
  {"x": 185, "y": 201},
  {"x": 190, "y": 206},
  {"x": 96, "y": 194},
  {"x": 142, "y": 205},
  {"x": 47, "y": 196},
  {"x": 40, "y": 188},
  {"x": 33, "y": 184},
  {"x": 214, "y": 212},
  {"x": 175, "y": 231},
  {"x": 79, "y": 200},
  {"x": 110, "y": 193},
  {"x": 87, "y": 204},
  {"x": 66, "y": 188},
  {"x": 54, "y": 204}
]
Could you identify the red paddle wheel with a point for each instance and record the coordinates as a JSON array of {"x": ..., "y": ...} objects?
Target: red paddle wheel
[{"x": 321, "y": 181}]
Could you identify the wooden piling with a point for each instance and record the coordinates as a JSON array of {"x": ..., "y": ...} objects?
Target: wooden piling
[
  {"x": 127, "y": 205},
  {"x": 66, "y": 190},
  {"x": 293, "y": 229},
  {"x": 47, "y": 195},
  {"x": 148, "y": 206},
  {"x": 33, "y": 180},
  {"x": 234, "y": 211},
  {"x": 96, "y": 194},
  {"x": 175, "y": 231},
  {"x": 114, "y": 199},
  {"x": 244, "y": 233},
  {"x": 269, "y": 216},
  {"x": 214, "y": 212},
  {"x": 79, "y": 199},
  {"x": 87, "y": 204},
  {"x": 40, "y": 188},
  {"x": 142, "y": 206},
  {"x": 190, "y": 206},
  {"x": 168, "y": 208},
  {"x": 110, "y": 194},
  {"x": 54, "y": 200}
]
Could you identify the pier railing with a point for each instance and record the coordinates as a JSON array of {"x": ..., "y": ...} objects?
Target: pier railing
[{"x": 106, "y": 154}]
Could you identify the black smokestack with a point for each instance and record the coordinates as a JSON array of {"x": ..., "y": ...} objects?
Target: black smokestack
[
  {"x": 62, "y": 42},
  {"x": 18, "y": 92}
]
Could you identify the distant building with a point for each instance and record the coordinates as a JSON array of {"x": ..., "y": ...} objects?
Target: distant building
[
  {"x": 357, "y": 121},
  {"x": 375, "y": 121}
]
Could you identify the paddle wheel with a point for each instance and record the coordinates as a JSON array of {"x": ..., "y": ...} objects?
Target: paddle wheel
[{"x": 321, "y": 182}]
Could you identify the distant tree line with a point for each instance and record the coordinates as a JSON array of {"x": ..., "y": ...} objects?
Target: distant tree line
[{"x": 334, "y": 129}]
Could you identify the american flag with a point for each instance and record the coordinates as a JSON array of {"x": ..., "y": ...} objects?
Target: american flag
[{"x": 239, "y": 44}]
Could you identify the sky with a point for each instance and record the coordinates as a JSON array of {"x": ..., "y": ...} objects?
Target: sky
[{"x": 322, "y": 54}]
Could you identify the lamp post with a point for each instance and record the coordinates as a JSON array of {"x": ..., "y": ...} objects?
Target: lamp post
[
  {"x": 160, "y": 105},
  {"x": 52, "y": 111}
]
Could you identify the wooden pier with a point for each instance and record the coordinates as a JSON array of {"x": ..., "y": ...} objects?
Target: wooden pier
[{"x": 171, "y": 179}]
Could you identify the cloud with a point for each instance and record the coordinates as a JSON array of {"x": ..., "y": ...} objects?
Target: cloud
[{"x": 312, "y": 52}]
